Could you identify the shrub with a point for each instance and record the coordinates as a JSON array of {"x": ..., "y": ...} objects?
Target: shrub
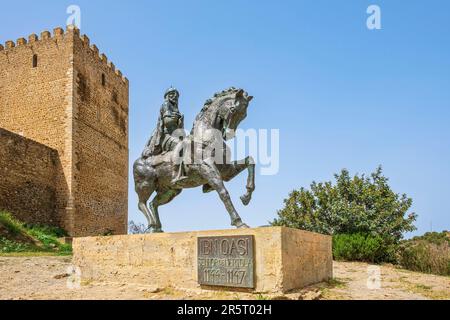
[
  {"x": 48, "y": 230},
  {"x": 136, "y": 228},
  {"x": 362, "y": 247},
  {"x": 351, "y": 205},
  {"x": 429, "y": 253}
]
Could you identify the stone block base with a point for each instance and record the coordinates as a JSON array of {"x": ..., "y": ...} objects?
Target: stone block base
[{"x": 285, "y": 259}]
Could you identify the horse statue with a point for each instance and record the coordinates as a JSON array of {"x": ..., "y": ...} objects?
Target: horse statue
[{"x": 203, "y": 158}]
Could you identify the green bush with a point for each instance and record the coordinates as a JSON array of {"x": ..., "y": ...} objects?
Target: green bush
[
  {"x": 362, "y": 247},
  {"x": 351, "y": 205},
  {"x": 429, "y": 253},
  {"x": 48, "y": 230}
]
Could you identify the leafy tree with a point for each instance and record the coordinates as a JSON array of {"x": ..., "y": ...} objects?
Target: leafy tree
[{"x": 351, "y": 205}]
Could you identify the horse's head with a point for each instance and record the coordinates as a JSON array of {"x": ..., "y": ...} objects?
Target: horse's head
[
  {"x": 236, "y": 110},
  {"x": 225, "y": 111}
]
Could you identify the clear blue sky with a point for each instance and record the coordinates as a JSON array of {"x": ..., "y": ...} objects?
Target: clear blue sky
[{"x": 341, "y": 95}]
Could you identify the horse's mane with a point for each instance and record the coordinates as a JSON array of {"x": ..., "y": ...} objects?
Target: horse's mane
[{"x": 216, "y": 97}]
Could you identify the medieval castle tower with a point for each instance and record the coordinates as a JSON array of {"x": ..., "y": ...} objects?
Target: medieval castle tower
[{"x": 63, "y": 134}]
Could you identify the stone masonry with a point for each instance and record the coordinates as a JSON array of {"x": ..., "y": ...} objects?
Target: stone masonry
[
  {"x": 59, "y": 91},
  {"x": 28, "y": 172},
  {"x": 285, "y": 259}
]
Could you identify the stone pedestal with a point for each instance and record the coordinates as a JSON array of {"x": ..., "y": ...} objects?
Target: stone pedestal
[{"x": 284, "y": 258}]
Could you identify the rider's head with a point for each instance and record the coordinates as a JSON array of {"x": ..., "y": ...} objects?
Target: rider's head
[{"x": 172, "y": 95}]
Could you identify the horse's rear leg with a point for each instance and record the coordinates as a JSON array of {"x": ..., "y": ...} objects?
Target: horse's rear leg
[
  {"x": 144, "y": 192},
  {"x": 161, "y": 198}
]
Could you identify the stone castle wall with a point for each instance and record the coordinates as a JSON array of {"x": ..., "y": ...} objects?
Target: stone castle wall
[
  {"x": 101, "y": 143},
  {"x": 27, "y": 178},
  {"x": 57, "y": 90},
  {"x": 35, "y": 101}
]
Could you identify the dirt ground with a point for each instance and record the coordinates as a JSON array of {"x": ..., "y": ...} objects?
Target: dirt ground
[{"x": 48, "y": 278}]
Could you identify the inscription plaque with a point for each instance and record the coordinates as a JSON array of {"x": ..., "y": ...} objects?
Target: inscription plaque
[{"x": 226, "y": 261}]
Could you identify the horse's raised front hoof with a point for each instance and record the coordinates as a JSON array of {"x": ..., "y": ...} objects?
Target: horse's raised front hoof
[{"x": 246, "y": 199}]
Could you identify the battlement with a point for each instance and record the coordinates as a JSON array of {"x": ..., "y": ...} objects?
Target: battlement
[
  {"x": 57, "y": 89},
  {"x": 58, "y": 35}
]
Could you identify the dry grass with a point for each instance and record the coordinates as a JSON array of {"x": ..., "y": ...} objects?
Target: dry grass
[{"x": 429, "y": 253}]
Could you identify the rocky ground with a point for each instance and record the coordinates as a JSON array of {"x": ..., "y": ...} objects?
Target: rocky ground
[{"x": 47, "y": 278}]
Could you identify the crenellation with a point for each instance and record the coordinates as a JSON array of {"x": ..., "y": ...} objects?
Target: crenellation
[
  {"x": 104, "y": 58},
  {"x": 73, "y": 29},
  {"x": 45, "y": 35},
  {"x": 64, "y": 106},
  {"x": 95, "y": 50},
  {"x": 85, "y": 40},
  {"x": 111, "y": 66},
  {"x": 21, "y": 42},
  {"x": 10, "y": 44},
  {"x": 33, "y": 38},
  {"x": 58, "y": 32}
]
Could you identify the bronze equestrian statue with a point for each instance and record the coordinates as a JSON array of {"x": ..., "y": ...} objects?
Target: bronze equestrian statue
[{"x": 172, "y": 161}]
